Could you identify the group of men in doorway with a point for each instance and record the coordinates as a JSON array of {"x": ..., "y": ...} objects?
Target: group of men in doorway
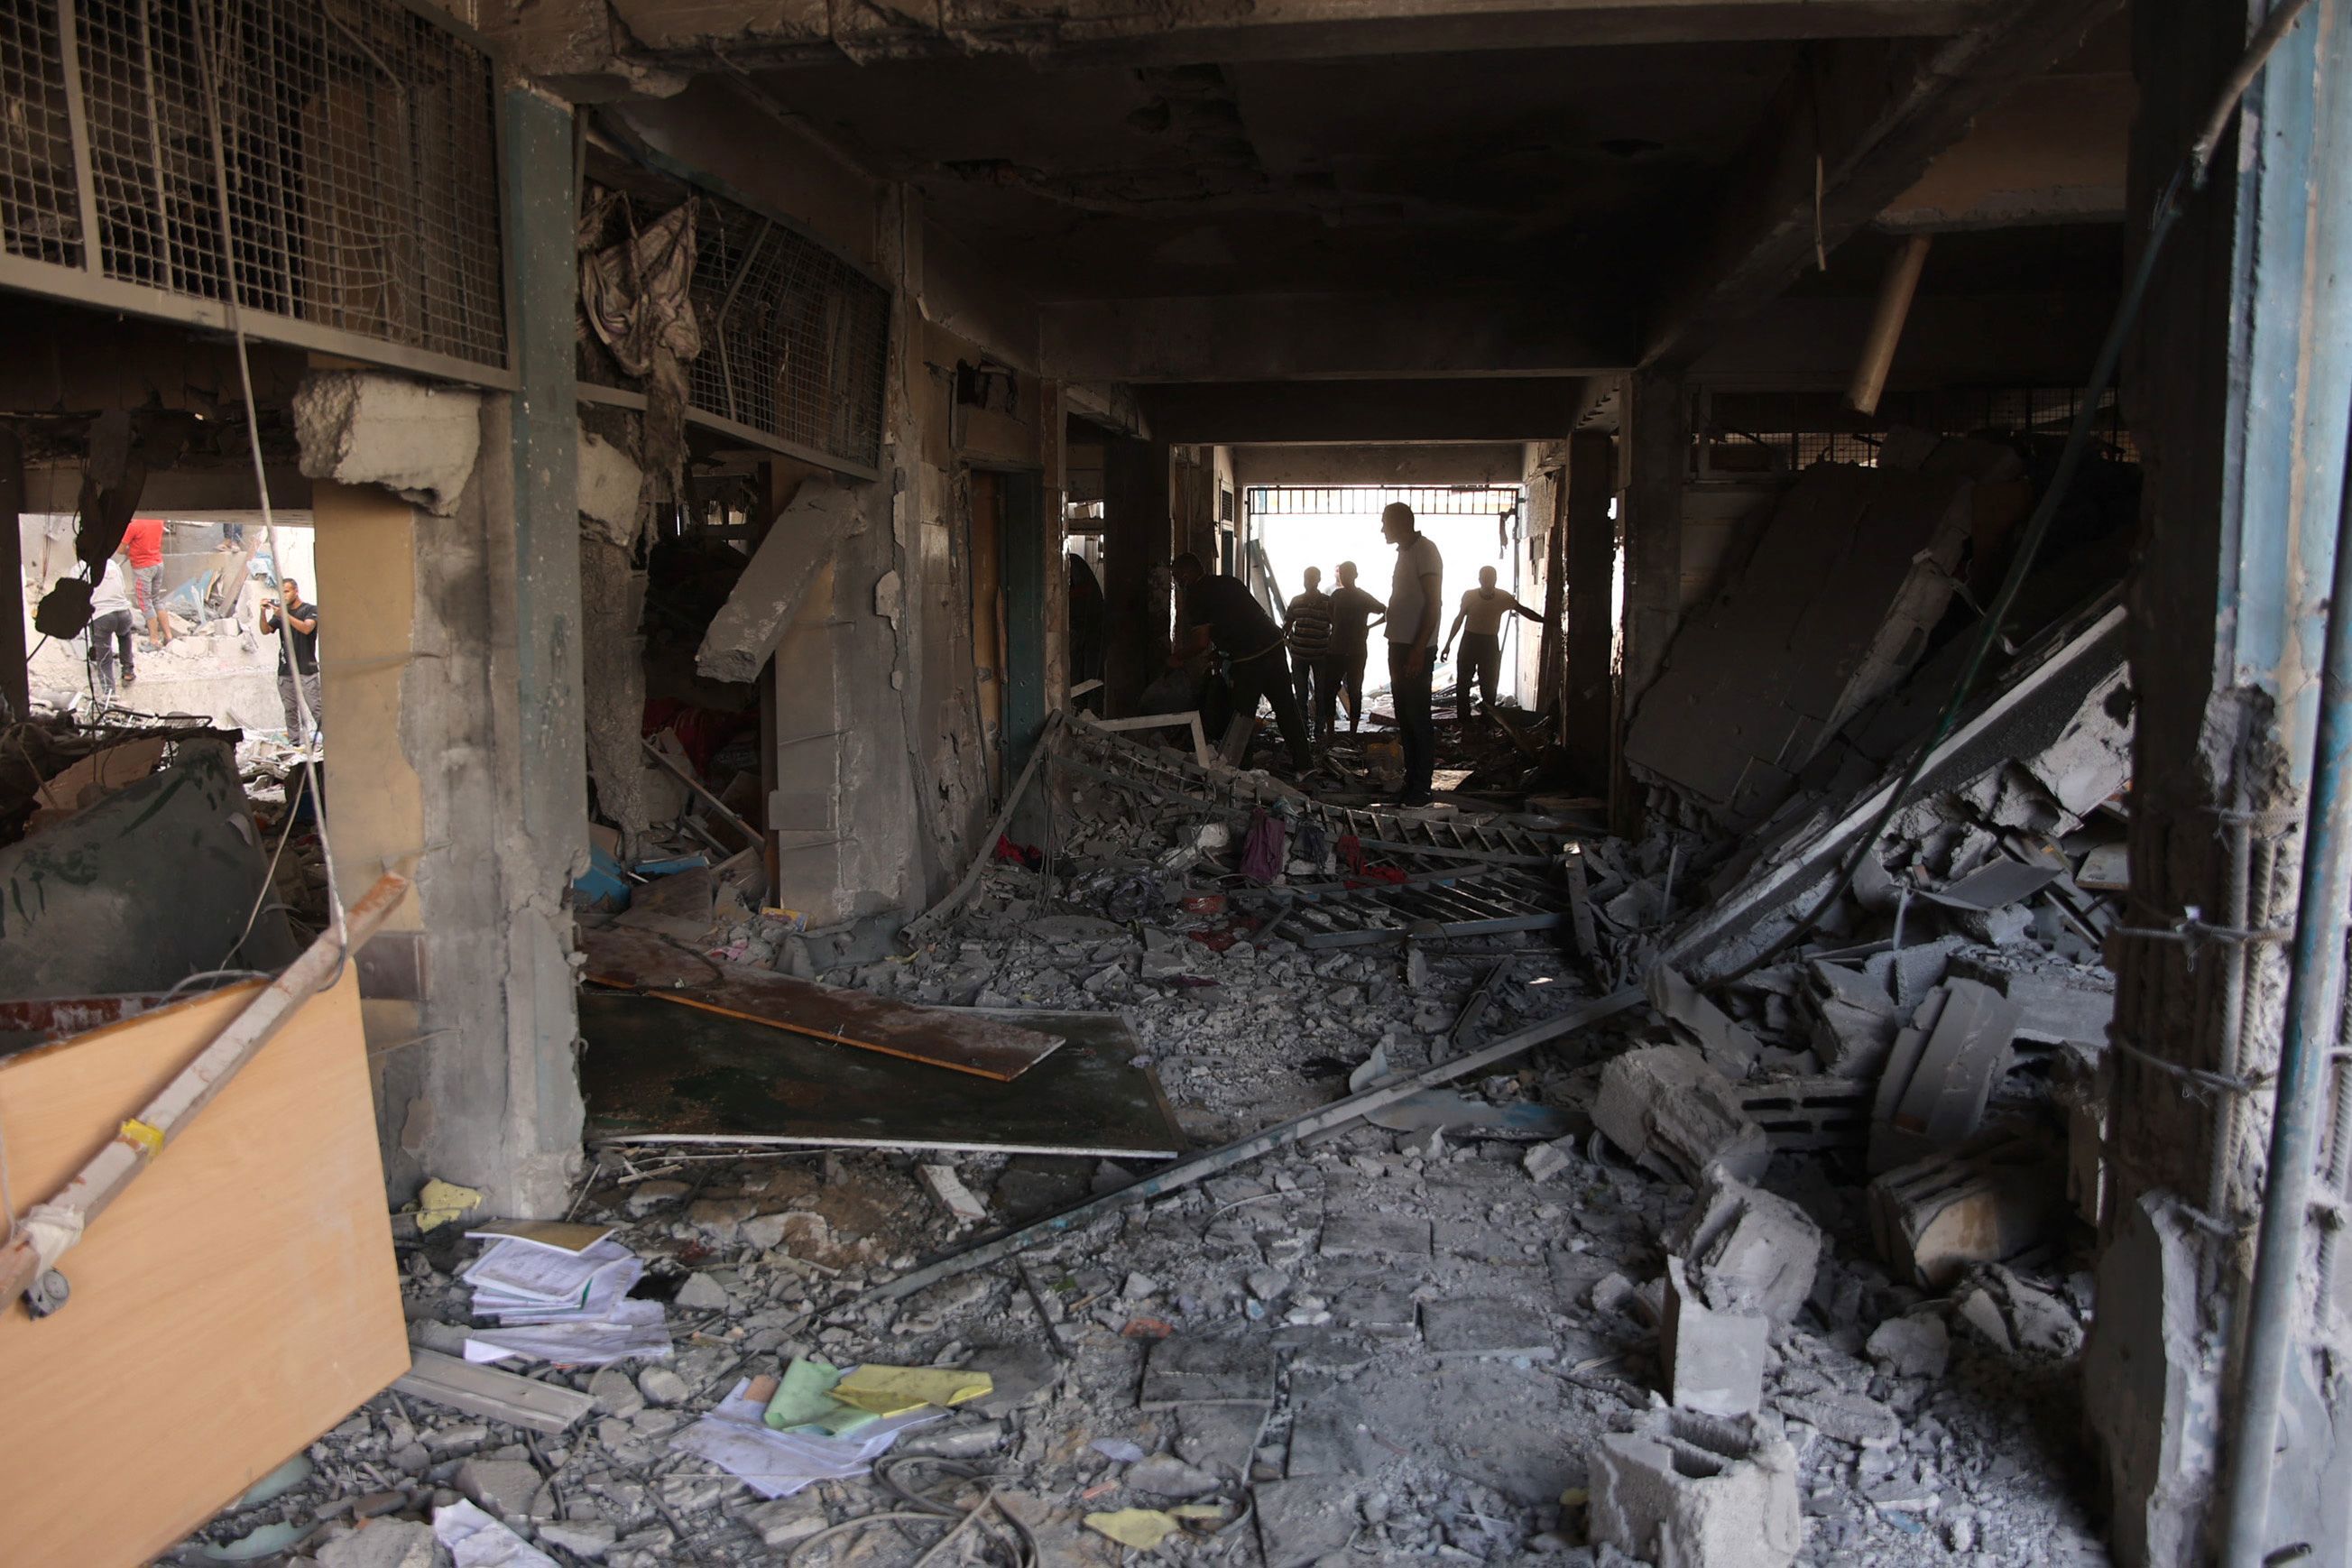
[{"x": 1316, "y": 656}]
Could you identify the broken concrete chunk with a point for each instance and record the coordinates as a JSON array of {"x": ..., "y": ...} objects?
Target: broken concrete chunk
[
  {"x": 610, "y": 482},
  {"x": 1697, "y": 1492},
  {"x": 701, "y": 1293},
  {"x": 1715, "y": 1361},
  {"x": 1808, "y": 1114},
  {"x": 1748, "y": 1251},
  {"x": 504, "y": 1487},
  {"x": 1987, "y": 1200},
  {"x": 1940, "y": 1074},
  {"x": 1303, "y": 1521},
  {"x": 417, "y": 438},
  {"x": 381, "y": 1543},
  {"x": 1730, "y": 1049},
  {"x": 952, "y": 1195},
  {"x": 590, "y": 1540},
  {"x": 790, "y": 560},
  {"x": 1666, "y": 1107},
  {"x": 661, "y": 1386},
  {"x": 1164, "y": 1475},
  {"x": 2012, "y": 1315},
  {"x": 1916, "y": 1346},
  {"x": 1546, "y": 1161},
  {"x": 1854, "y": 1419}
]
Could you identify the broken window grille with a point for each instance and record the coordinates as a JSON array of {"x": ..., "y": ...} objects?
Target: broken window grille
[
  {"x": 794, "y": 338},
  {"x": 1348, "y": 500},
  {"x": 357, "y": 139}
]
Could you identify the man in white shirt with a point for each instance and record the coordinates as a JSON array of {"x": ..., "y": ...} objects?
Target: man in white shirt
[
  {"x": 110, "y": 628},
  {"x": 1414, "y": 598}
]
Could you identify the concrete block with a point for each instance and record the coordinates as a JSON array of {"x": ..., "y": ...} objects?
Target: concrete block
[
  {"x": 1303, "y": 1521},
  {"x": 1912, "y": 1347},
  {"x": 767, "y": 597},
  {"x": 1989, "y": 1199},
  {"x": 1808, "y": 1115},
  {"x": 415, "y": 438},
  {"x": 381, "y": 1543},
  {"x": 1486, "y": 1326},
  {"x": 1180, "y": 1371},
  {"x": 1854, "y": 1419},
  {"x": 1688, "y": 1490},
  {"x": 1941, "y": 1073},
  {"x": 1666, "y": 1107},
  {"x": 610, "y": 482},
  {"x": 1375, "y": 1236},
  {"x": 504, "y": 1487},
  {"x": 1715, "y": 1361},
  {"x": 1748, "y": 1251}
]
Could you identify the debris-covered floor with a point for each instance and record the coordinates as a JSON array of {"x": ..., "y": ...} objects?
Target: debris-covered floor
[{"x": 1441, "y": 1332}]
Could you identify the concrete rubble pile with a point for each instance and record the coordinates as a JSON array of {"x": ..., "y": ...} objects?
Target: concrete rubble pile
[{"x": 1630, "y": 1297}]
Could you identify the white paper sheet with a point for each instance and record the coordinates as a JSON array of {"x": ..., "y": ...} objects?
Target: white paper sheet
[
  {"x": 735, "y": 1437},
  {"x": 545, "y": 1274},
  {"x": 632, "y": 1329},
  {"x": 478, "y": 1541}
]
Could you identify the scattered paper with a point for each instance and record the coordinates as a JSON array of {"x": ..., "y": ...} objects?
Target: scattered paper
[
  {"x": 638, "y": 1329},
  {"x": 736, "y": 1437},
  {"x": 478, "y": 1541},
  {"x": 515, "y": 1278},
  {"x": 441, "y": 1201},
  {"x": 803, "y": 1402},
  {"x": 560, "y": 1235},
  {"x": 895, "y": 1390},
  {"x": 1142, "y": 1528}
]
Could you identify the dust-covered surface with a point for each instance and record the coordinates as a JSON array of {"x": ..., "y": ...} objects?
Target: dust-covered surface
[{"x": 1447, "y": 1334}]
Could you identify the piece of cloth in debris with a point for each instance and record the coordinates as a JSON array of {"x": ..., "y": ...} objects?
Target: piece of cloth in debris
[
  {"x": 478, "y": 1541},
  {"x": 1140, "y": 1528},
  {"x": 1262, "y": 850},
  {"x": 895, "y": 1390},
  {"x": 735, "y": 1437},
  {"x": 441, "y": 1201},
  {"x": 803, "y": 1402},
  {"x": 635, "y": 293}
]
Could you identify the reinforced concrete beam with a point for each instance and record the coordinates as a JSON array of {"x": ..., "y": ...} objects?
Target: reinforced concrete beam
[
  {"x": 1853, "y": 131},
  {"x": 1502, "y": 408},
  {"x": 1271, "y": 337},
  {"x": 1427, "y": 463},
  {"x": 2011, "y": 340},
  {"x": 794, "y": 31}
]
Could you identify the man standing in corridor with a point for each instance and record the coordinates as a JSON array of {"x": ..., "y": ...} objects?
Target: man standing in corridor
[
  {"x": 1482, "y": 607},
  {"x": 1415, "y": 595},
  {"x": 296, "y": 625},
  {"x": 1352, "y": 611}
]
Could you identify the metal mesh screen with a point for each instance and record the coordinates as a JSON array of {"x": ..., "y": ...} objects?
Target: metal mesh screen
[
  {"x": 1348, "y": 500},
  {"x": 37, "y": 203},
  {"x": 794, "y": 338},
  {"x": 360, "y": 148}
]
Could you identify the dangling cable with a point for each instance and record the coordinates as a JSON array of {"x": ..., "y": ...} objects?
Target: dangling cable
[{"x": 260, "y": 473}]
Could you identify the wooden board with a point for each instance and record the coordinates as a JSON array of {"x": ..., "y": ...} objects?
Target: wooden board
[
  {"x": 633, "y": 960},
  {"x": 240, "y": 1299}
]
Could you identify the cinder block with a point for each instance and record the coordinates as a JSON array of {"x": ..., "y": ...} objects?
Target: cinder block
[{"x": 1697, "y": 1491}]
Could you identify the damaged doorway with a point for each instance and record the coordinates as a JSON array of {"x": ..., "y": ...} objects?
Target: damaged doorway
[
  {"x": 1298, "y": 526},
  {"x": 1009, "y": 611}
]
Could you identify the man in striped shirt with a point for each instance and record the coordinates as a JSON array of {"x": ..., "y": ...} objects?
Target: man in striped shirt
[{"x": 1306, "y": 626}]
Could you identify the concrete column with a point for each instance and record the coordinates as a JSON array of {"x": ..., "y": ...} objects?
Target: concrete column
[
  {"x": 1136, "y": 533},
  {"x": 2238, "y": 394},
  {"x": 1655, "y": 453},
  {"x": 534, "y": 582},
  {"x": 1589, "y": 699}
]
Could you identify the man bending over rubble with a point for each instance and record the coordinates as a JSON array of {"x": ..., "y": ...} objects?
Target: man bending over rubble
[{"x": 1220, "y": 612}]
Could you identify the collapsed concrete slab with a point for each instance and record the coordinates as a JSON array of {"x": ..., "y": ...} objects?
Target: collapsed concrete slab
[
  {"x": 1748, "y": 1251},
  {"x": 768, "y": 596},
  {"x": 1728, "y": 1048},
  {"x": 417, "y": 438},
  {"x": 1941, "y": 1072},
  {"x": 1666, "y": 1107},
  {"x": 1688, "y": 1490}
]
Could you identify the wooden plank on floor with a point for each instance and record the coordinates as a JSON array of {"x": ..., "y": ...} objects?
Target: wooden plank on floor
[
  {"x": 632, "y": 960},
  {"x": 237, "y": 1300}
]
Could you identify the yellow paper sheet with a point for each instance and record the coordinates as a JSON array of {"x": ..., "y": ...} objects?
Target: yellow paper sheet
[
  {"x": 895, "y": 1390},
  {"x": 1142, "y": 1528}
]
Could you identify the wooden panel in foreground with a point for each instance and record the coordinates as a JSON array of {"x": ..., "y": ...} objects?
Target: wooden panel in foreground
[
  {"x": 629, "y": 959},
  {"x": 237, "y": 1300}
]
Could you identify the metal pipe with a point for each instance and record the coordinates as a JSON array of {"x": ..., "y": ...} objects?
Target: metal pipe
[
  {"x": 2314, "y": 1002},
  {"x": 1895, "y": 293}
]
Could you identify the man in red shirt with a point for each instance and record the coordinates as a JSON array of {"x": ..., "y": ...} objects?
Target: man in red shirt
[{"x": 143, "y": 541}]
